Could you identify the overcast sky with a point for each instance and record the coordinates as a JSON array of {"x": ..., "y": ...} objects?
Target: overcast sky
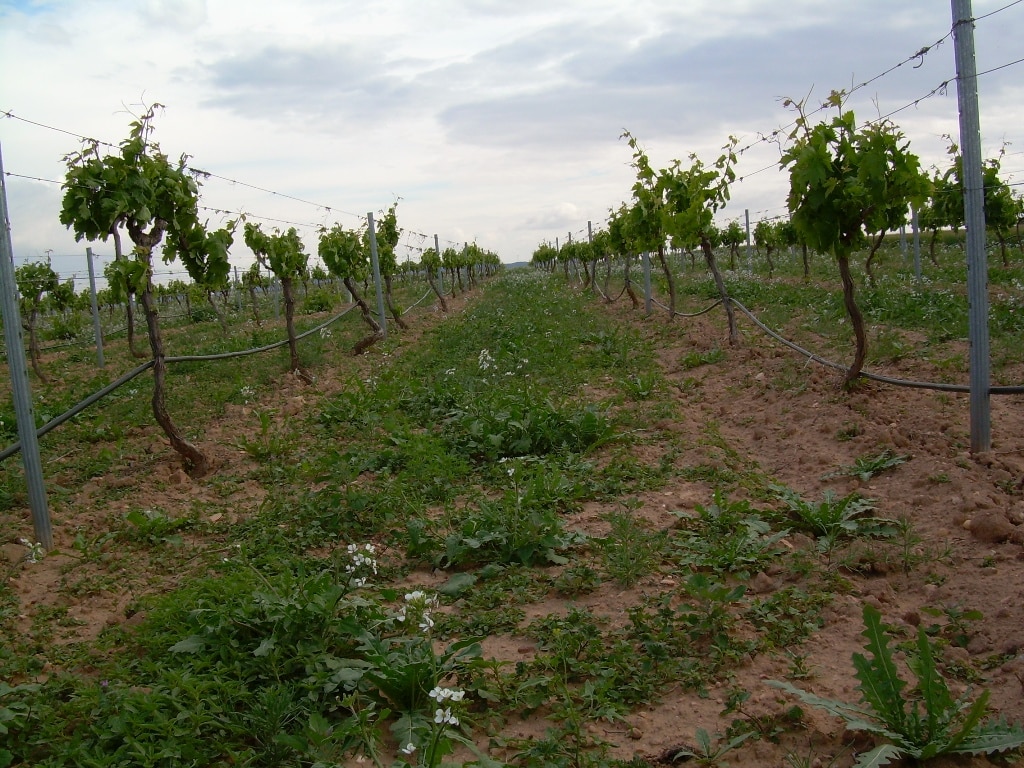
[{"x": 495, "y": 121}]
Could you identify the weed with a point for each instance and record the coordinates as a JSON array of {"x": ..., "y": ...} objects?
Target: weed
[
  {"x": 849, "y": 430},
  {"x": 688, "y": 384},
  {"x": 641, "y": 386},
  {"x": 833, "y": 520},
  {"x": 577, "y": 579},
  {"x": 765, "y": 726},
  {"x": 908, "y": 544},
  {"x": 565, "y": 746},
  {"x": 956, "y": 628},
  {"x": 798, "y": 669},
  {"x": 812, "y": 760},
  {"x": 266, "y": 445},
  {"x": 787, "y": 617},
  {"x": 153, "y": 526},
  {"x": 631, "y": 550},
  {"x": 866, "y": 467},
  {"x": 923, "y": 724},
  {"x": 695, "y": 359},
  {"x": 507, "y": 424},
  {"x": 711, "y": 474},
  {"x": 706, "y": 751},
  {"x": 727, "y": 537},
  {"x": 522, "y": 526}
]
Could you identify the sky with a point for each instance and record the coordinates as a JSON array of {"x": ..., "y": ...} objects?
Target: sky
[{"x": 489, "y": 121}]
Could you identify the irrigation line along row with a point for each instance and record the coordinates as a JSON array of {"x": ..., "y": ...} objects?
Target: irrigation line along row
[
  {"x": 961, "y": 388},
  {"x": 692, "y": 314},
  {"x": 418, "y": 301},
  {"x": 123, "y": 328},
  {"x": 1010, "y": 390},
  {"x": 81, "y": 342},
  {"x": 77, "y": 409}
]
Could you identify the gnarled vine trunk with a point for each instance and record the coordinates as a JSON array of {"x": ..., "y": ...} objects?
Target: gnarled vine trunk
[
  {"x": 629, "y": 287},
  {"x": 709, "y": 257},
  {"x": 869, "y": 261},
  {"x": 391, "y": 304},
  {"x": 668, "y": 278},
  {"x": 129, "y": 311},
  {"x": 287, "y": 288},
  {"x": 856, "y": 319},
  {"x": 255, "y": 310},
  {"x": 377, "y": 333},
  {"x": 35, "y": 354},
  {"x": 195, "y": 461},
  {"x": 440, "y": 296}
]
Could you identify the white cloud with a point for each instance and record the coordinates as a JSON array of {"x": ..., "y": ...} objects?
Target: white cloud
[
  {"x": 184, "y": 15},
  {"x": 493, "y": 121}
]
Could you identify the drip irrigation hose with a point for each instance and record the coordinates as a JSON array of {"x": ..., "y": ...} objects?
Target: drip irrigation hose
[
  {"x": 999, "y": 390},
  {"x": 79, "y": 407},
  {"x": 690, "y": 314},
  {"x": 420, "y": 301}
]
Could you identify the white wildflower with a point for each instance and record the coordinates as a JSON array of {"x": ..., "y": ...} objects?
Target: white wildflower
[
  {"x": 445, "y": 716},
  {"x": 440, "y": 694},
  {"x": 36, "y": 551}
]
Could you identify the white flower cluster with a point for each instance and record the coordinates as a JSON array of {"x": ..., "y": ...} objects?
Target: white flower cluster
[
  {"x": 363, "y": 562},
  {"x": 485, "y": 361},
  {"x": 443, "y": 715},
  {"x": 440, "y": 694},
  {"x": 418, "y": 605},
  {"x": 36, "y": 551}
]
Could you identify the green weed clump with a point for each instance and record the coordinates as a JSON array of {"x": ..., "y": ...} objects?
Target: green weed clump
[
  {"x": 920, "y": 721},
  {"x": 293, "y": 667}
]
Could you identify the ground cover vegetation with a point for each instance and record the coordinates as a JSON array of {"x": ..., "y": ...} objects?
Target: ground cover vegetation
[
  {"x": 533, "y": 526},
  {"x": 538, "y": 530}
]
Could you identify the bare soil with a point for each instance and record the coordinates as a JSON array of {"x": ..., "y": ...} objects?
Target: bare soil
[{"x": 781, "y": 416}]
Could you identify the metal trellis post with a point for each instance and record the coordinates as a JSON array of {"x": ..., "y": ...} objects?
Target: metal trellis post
[
  {"x": 19, "y": 380},
  {"x": 375, "y": 263},
  {"x": 974, "y": 219},
  {"x": 750, "y": 253},
  {"x": 440, "y": 272},
  {"x": 915, "y": 224},
  {"x": 645, "y": 258},
  {"x": 94, "y": 304}
]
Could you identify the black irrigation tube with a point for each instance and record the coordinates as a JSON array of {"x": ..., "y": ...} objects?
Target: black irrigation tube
[
  {"x": 960, "y": 388},
  {"x": 78, "y": 408},
  {"x": 606, "y": 297},
  {"x": 692, "y": 314},
  {"x": 418, "y": 302},
  {"x": 267, "y": 348},
  {"x": 1008, "y": 390}
]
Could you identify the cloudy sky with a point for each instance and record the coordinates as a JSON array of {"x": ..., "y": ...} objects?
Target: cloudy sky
[{"x": 495, "y": 121}]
